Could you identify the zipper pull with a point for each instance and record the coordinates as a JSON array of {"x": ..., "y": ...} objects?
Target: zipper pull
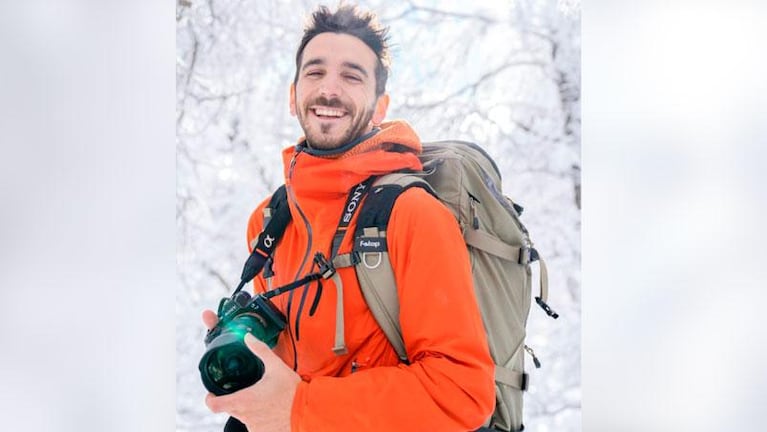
[
  {"x": 293, "y": 161},
  {"x": 546, "y": 308},
  {"x": 532, "y": 354},
  {"x": 474, "y": 218},
  {"x": 268, "y": 271}
]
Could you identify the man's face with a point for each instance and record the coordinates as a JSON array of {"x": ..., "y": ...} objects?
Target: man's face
[{"x": 334, "y": 96}]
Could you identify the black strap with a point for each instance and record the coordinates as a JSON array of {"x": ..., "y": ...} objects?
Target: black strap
[
  {"x": 376, "y": 210},
  {"x": 351, "y": 207},
  {"x": 269, "y": 237}
]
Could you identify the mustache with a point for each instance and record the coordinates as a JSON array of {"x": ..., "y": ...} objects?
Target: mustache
[{"x": 333, "y": 103}]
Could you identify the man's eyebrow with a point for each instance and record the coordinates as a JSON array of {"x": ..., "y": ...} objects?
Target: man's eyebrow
[
  {"x": 356, "y": 67},
  {"x": 346, "y": 64},
  {"x": 312, "y": 62}
]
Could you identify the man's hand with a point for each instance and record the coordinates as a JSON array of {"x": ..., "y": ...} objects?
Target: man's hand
[
  {"x": 265, "y": 406},
  {"x": 209, "y": 318}
]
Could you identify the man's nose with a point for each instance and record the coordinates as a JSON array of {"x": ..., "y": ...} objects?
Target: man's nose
[{"x": 329, "y": 87}]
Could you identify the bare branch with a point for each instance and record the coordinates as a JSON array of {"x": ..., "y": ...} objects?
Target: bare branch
[
  {"x": 446, "y": 14},
  {"x": 213, "y": 11},
  {"x": 476, "y": 84},
  {"x": 222, "y": 97},
  {"x": 213, "y": 272},
  {"x": 180, "y": 5},
  {"x": 560, "y": 409},
  {"x": 189, "y": 73}
]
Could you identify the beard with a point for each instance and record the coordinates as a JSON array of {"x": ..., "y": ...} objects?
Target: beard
[{"x": 328, "y": 135}]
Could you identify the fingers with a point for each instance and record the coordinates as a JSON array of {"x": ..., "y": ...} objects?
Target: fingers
[
  {"x": 257, "y": 347},
  {"x": 252, "y": 342},
  {"x": 233, "y": 404},
  {"x": 209, "y": 318},
  {"x": 276, "y": 367},
  {"x": 213, "y": 403},
  {"x": 227, "y": 403},
  {"x": 260, "y": 349}
]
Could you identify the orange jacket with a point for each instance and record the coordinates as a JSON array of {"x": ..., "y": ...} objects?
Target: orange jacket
[{"x": 449, "y": 384}]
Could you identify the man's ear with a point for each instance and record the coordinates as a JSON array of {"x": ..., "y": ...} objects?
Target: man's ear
[
  {"x": 382, "y": 104},
  {"x": 293, "y": 99}
]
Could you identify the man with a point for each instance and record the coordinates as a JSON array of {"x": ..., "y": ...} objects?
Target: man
[{"x": 338, "y": 95}]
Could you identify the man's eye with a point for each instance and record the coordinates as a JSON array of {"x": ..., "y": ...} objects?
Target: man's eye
[
  {"x": 353, "y": 78},
  {"x": 314, "y": 74}
]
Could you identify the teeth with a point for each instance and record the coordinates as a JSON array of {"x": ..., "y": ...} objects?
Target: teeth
[{"x": 328, "y": 112}]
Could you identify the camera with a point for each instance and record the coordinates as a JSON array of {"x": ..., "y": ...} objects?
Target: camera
[{"x": 228, "y": 364}]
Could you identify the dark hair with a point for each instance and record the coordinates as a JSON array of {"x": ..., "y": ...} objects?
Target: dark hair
[{"x": 364, "y": 26}]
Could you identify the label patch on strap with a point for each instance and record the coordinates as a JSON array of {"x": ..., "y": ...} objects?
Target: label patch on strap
[{"x": 370, "y": 244}]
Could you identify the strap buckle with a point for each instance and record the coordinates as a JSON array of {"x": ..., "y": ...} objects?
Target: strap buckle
[
  {"x": 528, "y": 254},
  {"x": 524, "y": 255},
  {"x": 326, "y": 267}
]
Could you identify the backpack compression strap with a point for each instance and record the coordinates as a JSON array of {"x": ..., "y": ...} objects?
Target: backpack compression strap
[{"x": 522, "y": 255}]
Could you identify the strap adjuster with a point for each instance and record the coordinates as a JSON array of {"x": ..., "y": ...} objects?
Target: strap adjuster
[
  {"x": 528, "y": 255},
  {"x": 326, "y": 267},
  {"x": 525, "y": 381},
  {"x": 524, "y": 255}
]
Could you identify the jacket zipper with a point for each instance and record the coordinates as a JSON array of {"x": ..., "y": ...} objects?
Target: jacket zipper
[{"x": 292, "y": 196}]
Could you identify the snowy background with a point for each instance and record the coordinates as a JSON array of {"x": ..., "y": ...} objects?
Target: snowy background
[{"x": 505, "y": 74}]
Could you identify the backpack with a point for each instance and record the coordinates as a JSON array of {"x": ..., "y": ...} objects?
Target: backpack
[{"x": 466, "y": 179}]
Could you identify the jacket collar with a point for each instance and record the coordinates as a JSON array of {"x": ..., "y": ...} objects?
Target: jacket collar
[{"x": 394, "y": 147}]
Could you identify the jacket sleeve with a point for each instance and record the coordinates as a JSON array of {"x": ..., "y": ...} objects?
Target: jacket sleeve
[{"x": 449, "y": 384}]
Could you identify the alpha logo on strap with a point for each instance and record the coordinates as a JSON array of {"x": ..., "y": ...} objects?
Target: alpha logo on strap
[{"x": 268, "y": 241}]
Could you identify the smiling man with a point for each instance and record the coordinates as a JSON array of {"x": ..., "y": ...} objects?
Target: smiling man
[{"x": 333, "y": 368}]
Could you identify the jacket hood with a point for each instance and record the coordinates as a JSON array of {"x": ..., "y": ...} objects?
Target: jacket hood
[{"x": 395, "y": 146}]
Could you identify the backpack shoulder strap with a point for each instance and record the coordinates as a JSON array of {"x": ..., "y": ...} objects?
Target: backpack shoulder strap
[{"x": 374, "y": 270}]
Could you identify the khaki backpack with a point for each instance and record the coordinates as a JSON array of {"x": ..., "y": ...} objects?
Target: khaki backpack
[{"x": 468, "y": 182}]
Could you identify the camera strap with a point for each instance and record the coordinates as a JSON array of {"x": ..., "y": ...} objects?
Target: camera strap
[
  {"x": 269, "y": 237},
  {"x": 356, "y": 195}
]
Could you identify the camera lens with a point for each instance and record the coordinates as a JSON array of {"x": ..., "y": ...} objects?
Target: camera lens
[
  {"x": 228, "y": 364},
  {"x": 232, "y": 365}
]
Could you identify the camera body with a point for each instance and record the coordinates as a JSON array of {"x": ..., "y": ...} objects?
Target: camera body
[{"x": 228, "y": 364}]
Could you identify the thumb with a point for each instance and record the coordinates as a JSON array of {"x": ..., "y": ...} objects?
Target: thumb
[
  {"x": 257, "y": 347},
  {"x": 209, "y": 318}
]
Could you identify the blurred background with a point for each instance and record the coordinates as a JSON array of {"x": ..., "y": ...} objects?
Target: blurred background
[{"x": 504, "y": 74}]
